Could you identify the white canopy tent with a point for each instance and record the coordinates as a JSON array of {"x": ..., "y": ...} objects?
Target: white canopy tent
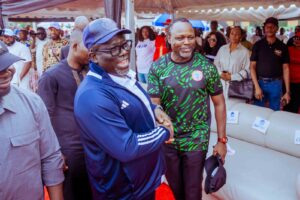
[{"x": 233, "y": 10}]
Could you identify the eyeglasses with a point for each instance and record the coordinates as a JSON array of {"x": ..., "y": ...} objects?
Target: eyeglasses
[
  {"x": 116, "y": 50},
  {"x": 212, "y": 40}
]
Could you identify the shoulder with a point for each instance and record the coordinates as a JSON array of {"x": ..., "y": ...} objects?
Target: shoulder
[
  {"x": 161, "y": 62},
  {"x": 21, "y": 47},
  {"x": 26, "y": 97},
  {"x": 205, "y": 64},
  {"x": 56, "y": 68},
  {"x": 90, "y": 90},
  {"x": 243, "y": 49},
  {"x": 224, "y": 47}
]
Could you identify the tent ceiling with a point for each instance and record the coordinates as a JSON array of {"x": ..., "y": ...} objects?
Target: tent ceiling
[{"x": 196, "y": 9}]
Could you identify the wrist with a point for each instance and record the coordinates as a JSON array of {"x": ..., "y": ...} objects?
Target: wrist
[
  {"x": 223, "y": 140},
  {"x": 159, "y": 107}
]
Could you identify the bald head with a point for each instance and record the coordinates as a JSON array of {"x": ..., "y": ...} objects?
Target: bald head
[
  {"x": 78, "y": 54},
  {"x": 76, "y": 36},
  {"x": 80, "y": 22}
]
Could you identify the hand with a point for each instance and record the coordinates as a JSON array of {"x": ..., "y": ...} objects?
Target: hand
[
  {"x": 220, "y": 149},
  {"x": 258, "y": 93},
  {"x": 171, "y": 131},
  {"x": 226, "y": 76},
  {"x": 161, "y": 117},
  {"x": 164, "y": 120},
  {"x": 286, "y": 97},
  {"x": 65, "y": 166}
]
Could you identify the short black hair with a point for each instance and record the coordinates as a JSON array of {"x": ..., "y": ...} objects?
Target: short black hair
[
  {"x": 214, "y": 22},
  {"x": 41, "y": 28},
  {"x": 177, "y": 20}
]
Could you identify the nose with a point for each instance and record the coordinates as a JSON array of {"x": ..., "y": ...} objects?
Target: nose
[
  {"x": 124, "y": 52},
  {"x": 186, "y": 41}
]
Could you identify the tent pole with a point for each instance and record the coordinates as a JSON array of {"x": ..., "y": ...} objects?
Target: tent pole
[
  {"x": 1, "y": 17},
  {"x": 130, "y": 24}
]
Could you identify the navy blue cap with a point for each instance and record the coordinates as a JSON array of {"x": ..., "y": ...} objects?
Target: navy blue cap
[
  {"x": 216, "y": 174},
  {"x": 100, "y": 31},
  {"x": 6, "y": 58}
]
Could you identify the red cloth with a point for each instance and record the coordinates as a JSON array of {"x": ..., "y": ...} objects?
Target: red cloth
[
  {"x": 163, "y": 192},
  {"x": 294, "y": 64},
  {"x": 160, "y": 47}
]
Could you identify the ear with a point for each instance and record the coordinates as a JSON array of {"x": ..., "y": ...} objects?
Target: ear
[
  {"x": 75, "y": 46},
  {"x": 93, "y": 57}
]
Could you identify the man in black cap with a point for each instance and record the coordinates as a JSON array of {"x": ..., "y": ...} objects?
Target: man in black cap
[
  {"x": 30, "y": 155},
  {"x": 119, "y": 132},
  {"x": 269, "y": 67}
]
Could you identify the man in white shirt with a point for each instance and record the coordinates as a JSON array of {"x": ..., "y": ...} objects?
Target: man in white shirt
[
  {"x": 282, "y": 36},
  {"x": 21, "y": 77}
]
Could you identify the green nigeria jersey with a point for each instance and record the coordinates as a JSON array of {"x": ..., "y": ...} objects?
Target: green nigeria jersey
[{"x": 184, "y": 90}]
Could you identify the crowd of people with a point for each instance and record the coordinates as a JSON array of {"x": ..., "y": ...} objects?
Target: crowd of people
[{"x": 91, "y": 131}]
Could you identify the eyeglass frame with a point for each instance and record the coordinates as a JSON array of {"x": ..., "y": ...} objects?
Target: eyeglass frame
[
  {"x": 212, "y": 40},
  {"x": 109, "y": 51}
]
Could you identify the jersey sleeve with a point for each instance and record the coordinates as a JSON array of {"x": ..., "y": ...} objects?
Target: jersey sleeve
[
  {"x": 213, "y": 82},
  {"x": 154, "y": 80}
]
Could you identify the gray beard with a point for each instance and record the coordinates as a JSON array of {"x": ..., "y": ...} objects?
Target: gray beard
[{"x": 122, "y": 72}]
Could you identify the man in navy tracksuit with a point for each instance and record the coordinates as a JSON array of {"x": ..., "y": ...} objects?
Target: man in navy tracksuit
[{"x": 119, "y": 132}]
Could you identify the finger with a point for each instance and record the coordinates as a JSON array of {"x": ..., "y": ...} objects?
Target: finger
[
  {"x": 160, "y": 118},
  {"x": 170, "y": 141}
]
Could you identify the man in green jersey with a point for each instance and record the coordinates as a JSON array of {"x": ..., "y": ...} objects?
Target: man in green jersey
[{"x": 182, "y": 82}]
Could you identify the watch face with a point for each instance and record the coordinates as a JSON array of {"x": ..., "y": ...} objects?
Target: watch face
[{"x": 223, "y": 140}]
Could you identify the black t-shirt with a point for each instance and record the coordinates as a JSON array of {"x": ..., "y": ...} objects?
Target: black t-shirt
[{"x": 270, "y": 58}]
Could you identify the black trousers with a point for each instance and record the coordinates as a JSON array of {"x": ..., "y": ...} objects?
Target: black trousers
[
  {"x": 150, "y": 196},
  {"x": 294, "y": 104},
  {"x": 185, "y": 172},
  {"x": 76, "y": 184}
]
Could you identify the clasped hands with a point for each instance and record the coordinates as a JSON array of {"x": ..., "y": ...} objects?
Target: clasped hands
[{"x": 164, "y": 120}]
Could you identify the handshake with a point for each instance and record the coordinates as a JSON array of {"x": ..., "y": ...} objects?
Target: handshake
[{"x": 164, "y": 120}]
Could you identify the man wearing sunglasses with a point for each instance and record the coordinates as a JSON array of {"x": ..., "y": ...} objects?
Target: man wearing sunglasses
[{"x": 121, "y": 130}]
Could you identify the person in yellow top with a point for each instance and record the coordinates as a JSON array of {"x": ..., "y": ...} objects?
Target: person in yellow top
[{"x": 51, "y": 50}]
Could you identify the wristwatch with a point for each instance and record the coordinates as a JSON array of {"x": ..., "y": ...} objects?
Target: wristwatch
[{"x": 223, "y": 140}]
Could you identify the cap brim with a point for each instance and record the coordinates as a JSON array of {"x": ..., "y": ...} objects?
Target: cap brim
[
  {"x": 111, "y": 35},
  {"x": 7, "y": 60}
]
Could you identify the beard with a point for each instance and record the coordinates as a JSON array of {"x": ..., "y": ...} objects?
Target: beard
[
  {"x": 10, "y": 43},
  {"x": 122, "y": 72}
]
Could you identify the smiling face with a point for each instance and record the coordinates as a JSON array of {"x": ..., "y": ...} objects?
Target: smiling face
[
  {"x": 182, "y": 40},
  {"x": 115, "y": 65},
  {"x": 270, "y": 30}
]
